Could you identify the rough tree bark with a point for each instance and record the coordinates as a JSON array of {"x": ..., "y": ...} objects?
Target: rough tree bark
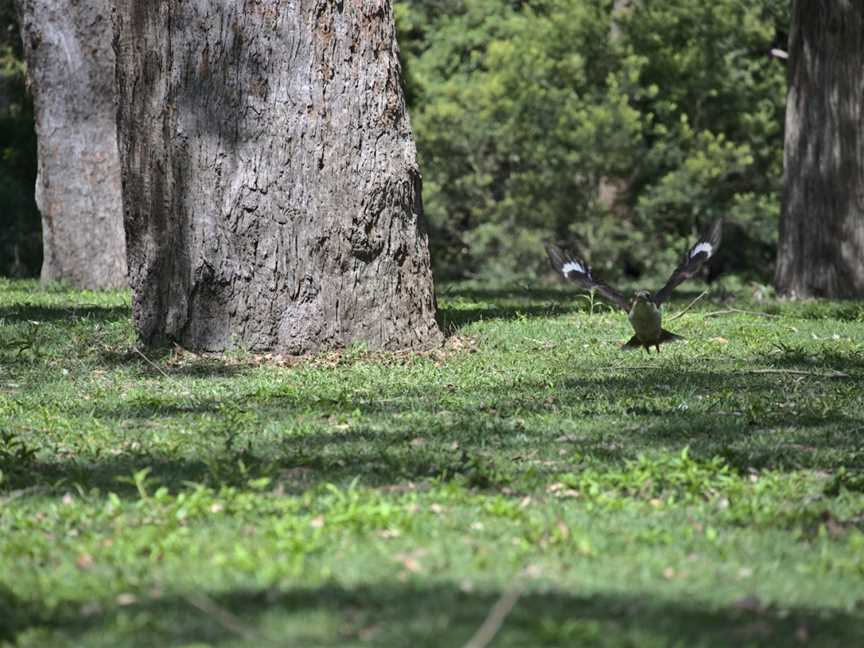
[
  {"x": 70, "y": 66},
  {"x": 821, "y": 251},
  {"x": 271, "y": 192}
]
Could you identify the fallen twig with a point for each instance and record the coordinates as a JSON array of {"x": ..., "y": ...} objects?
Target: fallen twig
[
  {"x": 546, "y": 344},
  {"x": 163, "y": 372},
  {"x": 624, "y": 367},
  {"x": 23, "y": 492},
  {"x": 494, "y": 620},
  {"x": 688, "y": 307},
  {"x": 798, "y": 372},
  {"x": 730, "y": 311},
  {"x": 227, "y": 619},
  {"x": 151, "y": 363}
]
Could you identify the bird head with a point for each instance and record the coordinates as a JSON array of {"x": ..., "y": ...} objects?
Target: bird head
[{"x": 644, "y": 296}]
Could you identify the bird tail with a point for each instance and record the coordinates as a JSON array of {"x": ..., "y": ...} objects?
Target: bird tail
[
  {"x": 665, "y": 336},
  {"x": 632, "y": 343}
]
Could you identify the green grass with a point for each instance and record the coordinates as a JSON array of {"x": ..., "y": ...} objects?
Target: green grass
[{"x": 688, "y": 498}]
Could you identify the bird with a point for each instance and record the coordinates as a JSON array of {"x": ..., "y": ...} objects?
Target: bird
[{"x": 644, "y": 310}]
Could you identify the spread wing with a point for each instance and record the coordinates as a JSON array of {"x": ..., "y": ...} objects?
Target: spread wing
[
  {"x": 575, "y": 269},
  {"x": 704, "y": 249}
]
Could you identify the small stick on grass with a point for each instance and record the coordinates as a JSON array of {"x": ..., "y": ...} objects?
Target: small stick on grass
[
  {"x": 163, "y": 372},
  {"x": 798, "y": 372},
  {"x": 689, "y": 306},
  {"x": 731, "y": 311},
  {"x": 226, "y": 619},
  {"x": 22, "y": 493},
  {"x": 494, "y": 620},
  {"x": 151, "y": 363}
]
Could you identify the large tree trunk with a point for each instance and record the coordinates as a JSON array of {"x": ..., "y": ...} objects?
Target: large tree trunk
[
  {"x": 271, "y": 191},
  {"x": 821, "y": 251},
  {"x": 70, "y": 64}
]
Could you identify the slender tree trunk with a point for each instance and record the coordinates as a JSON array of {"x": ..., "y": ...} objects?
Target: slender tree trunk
[
  {"x": 620, "y": 9},
  {"x": 614, "y": 192},
  {"x": 821, "y": 252},
  {"x": 271, "y": 192},
  {"x": 70, "y": 63}
]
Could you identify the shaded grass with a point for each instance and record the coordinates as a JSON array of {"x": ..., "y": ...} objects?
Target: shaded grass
[
  {"x": 373, "y": 499},
  {"x": 440, "y": 614}
]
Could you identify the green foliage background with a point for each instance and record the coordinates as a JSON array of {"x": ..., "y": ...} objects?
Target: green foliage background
[
  {"x": 525, "y": 111},
  {"x": 20, "y": 240}
]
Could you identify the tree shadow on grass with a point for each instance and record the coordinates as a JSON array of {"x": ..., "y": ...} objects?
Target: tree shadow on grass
[
  {"x": 561, "y": 292},
  {"x": 459, "y": 306},
  {"x": 804, "y": 359},
  {"x": 435, "y": 615},
  {"x": 158, "y": 361},
  {"x": 523, "y": 293},
  {"x": 40, "y": 313},
  {"x": 493, "y": 437},
  {"x": 452, "y": 318}
]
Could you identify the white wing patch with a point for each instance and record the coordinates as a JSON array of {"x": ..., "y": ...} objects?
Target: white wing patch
[
  {"x": 705, "y": 247},
  {"x": 572, "y": 266}
]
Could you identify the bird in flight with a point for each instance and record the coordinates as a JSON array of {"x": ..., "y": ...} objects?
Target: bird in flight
[{"x": 644, "y": 309}]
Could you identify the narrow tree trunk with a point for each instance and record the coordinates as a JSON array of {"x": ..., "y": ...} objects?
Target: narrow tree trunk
[
  {"x": 70, "y": 67},
  {"x": 614, "y": 192},
  {"x": 620, "y": 9},
  {"x": 271, "y": 193},
  {"x": 821, "y": 251}
]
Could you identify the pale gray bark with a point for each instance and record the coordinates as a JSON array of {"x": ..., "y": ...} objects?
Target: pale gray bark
[
  {"x": 70, "y": 65},
  {"x": 821, "y": 251},
  {"x": 271, "y": 192},
  {"x": 613, "y": 193},
  {"x": 620, "y": 9}
]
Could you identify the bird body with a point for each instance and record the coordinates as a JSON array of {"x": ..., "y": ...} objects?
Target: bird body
[
  {"x": 645, "y": 309},
  {"x": 645, "y": 318}
]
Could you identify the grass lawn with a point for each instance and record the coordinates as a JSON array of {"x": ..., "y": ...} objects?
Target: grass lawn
[{"x": 530, "y": 474}]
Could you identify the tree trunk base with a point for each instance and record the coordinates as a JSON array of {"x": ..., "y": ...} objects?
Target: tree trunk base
[{"x": 271, "y": 191}]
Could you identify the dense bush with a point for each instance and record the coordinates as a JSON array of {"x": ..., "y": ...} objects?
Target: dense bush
[{"x": 556, "y": 119}]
